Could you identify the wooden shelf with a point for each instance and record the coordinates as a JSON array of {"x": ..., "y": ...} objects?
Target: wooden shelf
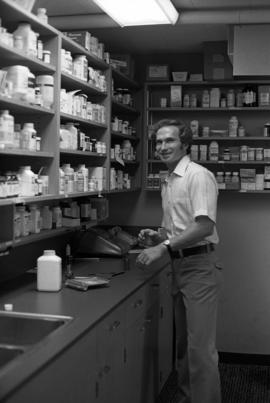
[
  {"x": 231, "y": 110},
  {"x": 70, "y": 82},
  {"x": 124, "y": 136},
  {"x": 213, "y": 83},
  {"x": 72, "y": 118},
  {"x": 82, "y": 153},
  {"x": 26, "y": 153},
  {"x": 12, "y": 56},
  {"x": 122, "y": 108},
  {"x": 227, "y": 138},
  {"x": 23, "y": 107}
]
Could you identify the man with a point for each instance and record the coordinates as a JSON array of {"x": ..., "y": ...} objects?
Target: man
[{"x": 189, "y": 202}]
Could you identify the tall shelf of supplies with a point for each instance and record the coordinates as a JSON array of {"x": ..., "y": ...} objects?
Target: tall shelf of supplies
[
  {"x": 217, "y": 119},
  {"x": 129, "y": 112},
  {"x": 47, "y": 121}
]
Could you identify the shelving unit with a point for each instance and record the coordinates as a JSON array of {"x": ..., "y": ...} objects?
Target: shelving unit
[
  {"x": 47, "y": 121},
  {"x": 215, "y": 118},
  {"x": 131, "y": 114}
]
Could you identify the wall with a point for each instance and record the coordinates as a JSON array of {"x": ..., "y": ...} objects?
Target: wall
[{"x": 244, "y": 228}]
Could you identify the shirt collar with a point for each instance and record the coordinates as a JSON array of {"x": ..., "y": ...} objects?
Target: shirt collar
[{"x": 181, "y": 167}]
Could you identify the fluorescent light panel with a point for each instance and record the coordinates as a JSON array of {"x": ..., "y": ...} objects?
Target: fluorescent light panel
[{"x": 139, "y": 12}]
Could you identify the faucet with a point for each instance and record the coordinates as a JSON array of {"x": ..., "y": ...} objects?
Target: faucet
[{"x": 68, "y": 271}]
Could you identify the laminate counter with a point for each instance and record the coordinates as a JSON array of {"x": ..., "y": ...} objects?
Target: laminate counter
[{"x": 86, "y": 308}]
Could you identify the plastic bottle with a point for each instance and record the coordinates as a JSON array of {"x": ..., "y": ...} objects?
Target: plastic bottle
[
  {"x": 30, "y": 96},
  {"x": 213, "y": 151},
  {"x": 61, "y": 182},
  {"x": 35, "y": 219},
  {"x": 230, "y": 99},
  {"x": 49, "y": 271},
  {"x": 18, "y": 76},
  {"x": 56, "y": 217},
  {"x": 27, "y": 181},
  {"x": 73, "y": 136},
  {"x": 24, "y": 220},
  {"x": 46, "y": 85},
  {"x": 233, "y": 126},
  {"x": 28, "y": 137},
  {"x": 46, "y": 218},
  {"x": 69, "y": 178},
  {"x": 42, "y": 15},
  {"x": 83, "y": 171},
  {"x": 6, "y": 129},
  {"x": 29, "y": 38}
]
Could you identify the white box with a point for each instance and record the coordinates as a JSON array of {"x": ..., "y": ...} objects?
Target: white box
[{"x": 176, "y": 96}]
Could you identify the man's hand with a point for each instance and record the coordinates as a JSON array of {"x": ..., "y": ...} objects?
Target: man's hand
[
  {"x": 149, "y": 237},
  {"x": 151, "y": 255}
]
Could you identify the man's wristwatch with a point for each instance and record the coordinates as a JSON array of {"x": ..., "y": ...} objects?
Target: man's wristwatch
[{"x": 169, "y": 248}]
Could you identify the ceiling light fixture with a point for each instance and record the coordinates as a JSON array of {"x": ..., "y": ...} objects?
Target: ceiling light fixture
[{"x": 139, "y": 12}]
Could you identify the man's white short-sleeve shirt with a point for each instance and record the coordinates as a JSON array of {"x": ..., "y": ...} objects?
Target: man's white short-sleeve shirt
[{"x": 188, "y": 192}]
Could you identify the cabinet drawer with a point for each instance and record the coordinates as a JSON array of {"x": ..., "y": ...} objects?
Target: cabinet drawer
[
  {"x": 136, "y": 305},
  {"x": 112, "y": 323}
]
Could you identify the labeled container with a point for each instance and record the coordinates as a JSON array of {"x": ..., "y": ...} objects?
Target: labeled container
[
  {"x": 27, "y": 181},
  {"x": 49, "y": 271},
  {"x": 18, "y": 76},
  {"x": 213, "y": 151},
  {"x": 29, "y": 38},
  {"x": 46, "y": 85},
  {"x": 233, "y": 126},
  {"x": 6, "y": 129}
]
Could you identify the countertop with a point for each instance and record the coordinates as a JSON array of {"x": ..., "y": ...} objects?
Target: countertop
[{"x": 86, "y": 308}]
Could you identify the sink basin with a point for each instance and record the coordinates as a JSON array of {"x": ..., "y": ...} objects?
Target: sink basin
[
  {"x": 25, "y": 329},
  {"x": 9, "y": 353}
]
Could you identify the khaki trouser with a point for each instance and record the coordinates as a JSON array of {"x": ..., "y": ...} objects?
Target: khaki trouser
[{"x": 196, "y": 284}]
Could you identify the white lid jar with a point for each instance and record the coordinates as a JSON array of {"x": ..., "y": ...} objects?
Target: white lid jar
[
  {"x": 49, "y": 271},
  {"x": 18, "y": 76}
]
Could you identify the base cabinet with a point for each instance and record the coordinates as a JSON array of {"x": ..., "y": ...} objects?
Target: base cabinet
[
  {"x": 126, "y": 357},
  {"x": 69, "y": 378}
]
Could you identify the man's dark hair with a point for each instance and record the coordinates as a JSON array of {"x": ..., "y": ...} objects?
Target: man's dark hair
[{"x": 185, "y": 133}]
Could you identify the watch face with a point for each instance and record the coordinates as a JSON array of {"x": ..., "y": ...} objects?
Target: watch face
[{"x": 167, "y": 242}]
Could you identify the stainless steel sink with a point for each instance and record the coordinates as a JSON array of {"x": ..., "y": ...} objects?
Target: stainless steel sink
[
  {"x": 9, "y": 353},
  {"x": 21, "y": 331}
]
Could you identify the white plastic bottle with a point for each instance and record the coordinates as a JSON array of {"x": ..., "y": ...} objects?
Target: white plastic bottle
[
  {"x": 29, "y": 38},
  {"x": 69, "y": 178},
  {"x": 27, "y": 181},
  {"x": 82, "y": 172},
  {"x": 61, "y": 181},
  {"x": 28, "y": 136},
  {"x": 42, "y": 15},
  {"x": 6, "y": 129},
  {"x": 49, "y": 271}
]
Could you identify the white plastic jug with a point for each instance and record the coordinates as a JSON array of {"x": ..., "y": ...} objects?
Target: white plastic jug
[{"x": 49, "y": 271}]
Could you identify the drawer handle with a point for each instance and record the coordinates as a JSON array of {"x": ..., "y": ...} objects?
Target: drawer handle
[
  {"x": 155, "y": 285},
  {"x": 138, "y": 303},
  {"x": 115, "y": 325},
  {"x": 107, "y": 369}
]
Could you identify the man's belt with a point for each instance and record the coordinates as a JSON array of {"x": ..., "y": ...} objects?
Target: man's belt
[{"x": 196, "y": 250}]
